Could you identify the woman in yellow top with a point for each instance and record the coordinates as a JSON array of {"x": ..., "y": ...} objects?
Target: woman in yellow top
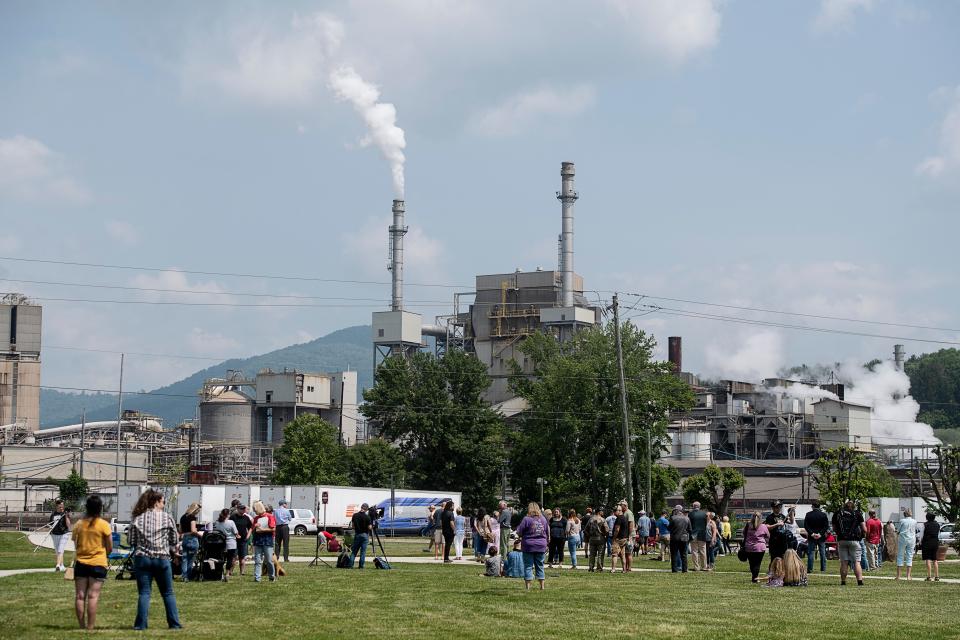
[
  {"x": 92, "y": 538},
  {"x": 726, "y": 534}
]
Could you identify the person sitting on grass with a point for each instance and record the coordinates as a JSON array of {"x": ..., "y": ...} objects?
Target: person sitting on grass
[
  {"x": 794, "y": 571},
  {"x": 513, "y": 564},
  {"x": 493, "y": 563},
  {"x": 775, "y": 574}
]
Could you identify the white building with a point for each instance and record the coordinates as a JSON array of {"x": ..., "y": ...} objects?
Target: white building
[{"x": 838, "y": 423}]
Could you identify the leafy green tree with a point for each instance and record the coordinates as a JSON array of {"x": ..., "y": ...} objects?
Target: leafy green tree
[
  {"x": 433, "y": 410},
  {"x": 944, "y": 479},
  {"x": 375, "y": 463},
  {"x": 935, "y": 384},
  {"x": 881, "y": 482},
  {"x": 310, "y": 453},
  {"x": 713, "y": 488},
  {"x": 73, "y": 489},
  {"x": 840, "y": 476},
  {"x": 572, "y": 434},
  {"x": 666, "y": 479}
]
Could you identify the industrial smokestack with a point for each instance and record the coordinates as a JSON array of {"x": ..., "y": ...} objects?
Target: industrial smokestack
[
  {"x": 397, "y": 231},
  {"x": 898, "y": 356},
  {"x": 675, "y": 352},
  {"x": 567, "y": 196}
]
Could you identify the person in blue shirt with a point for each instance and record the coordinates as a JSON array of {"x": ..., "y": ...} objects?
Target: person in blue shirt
[
  {"x": 283, "y": 515},
  {"x": 663, "y": 528},
  {"x": 611, "y": 520},
  {"x": 513, "y": 567}
]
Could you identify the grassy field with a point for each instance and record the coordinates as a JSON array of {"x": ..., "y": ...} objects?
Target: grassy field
[{"x": 414, "y": 601}]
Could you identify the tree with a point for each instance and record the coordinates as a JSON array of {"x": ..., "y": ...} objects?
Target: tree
[
  {"x": 880, "y": 482},
  {"x": 310, "y": 453},
  {"x": 73, "y": 490},
  {"x": 944, "y": 479},
  {"x": 666, "y": 479},
  {"x": 935, "y": 384},
  {"x": 713, "y": 488},
  {"x": 375, "y": 463},
  {"x": 433, "y": 410},
  {"x": 840, "y": 476},
  {"x": 572, "y": 433}
]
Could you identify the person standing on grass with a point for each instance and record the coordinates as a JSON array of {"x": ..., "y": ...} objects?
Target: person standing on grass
[
  {"x": 850, "y": 527},
  {"x": 438, "y": 530},
  {"x": 431, "y": 510},
  {"x": 241, "y": 519},
  {"x": 611, "y": 523},
  {"x": 505, "y": 519},
  {"x": 534, "y": 533},
  {"x": 776, "y": 524},
  {"x": 495, "y": 531},
  {"x": 595, "y": 535},
  {"x": 816, "y": 524},
  {"x": 189, "y": 540},
  {"x": 485, "y": 535},
  {"x": 94, "y": 542},
  {"x": 558, "y": 535},
  {"x": 228, "y": 528},
  {"x": 679, "y": 534},
  {"x": 449, "y": 529},
  {"x": 756, "y": 538},
  {"x": 60, "y": 531},
  {"x": 573, "y": 536},
  {"x": 360, "y": 522},
  {"x": 459, "y": 532},
  {"x": 621, "y": 536},
  {"x": 906, "y": 543},
  {"x": 282, "y": 515},
  {"x": 698, "y": 535},
  {"x": 663, "y": 535},
  {"x": 929, "y": 544},
  {"x": 643, "y": 531},
  {"x": 726, "y": 534},
  {"x": 874, "y": 540},
  {"x": 264, "y": 527},
  {"x": 153, "y": 536},
  {"x": 631, "y": 534},
  {"x": 713, "y": 537}
]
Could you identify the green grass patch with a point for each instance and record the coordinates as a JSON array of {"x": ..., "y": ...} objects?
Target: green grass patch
[{"x": 16, "y": 552}]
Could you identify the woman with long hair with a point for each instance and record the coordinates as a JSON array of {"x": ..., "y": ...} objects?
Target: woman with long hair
[
  {"x": 713, "y": 537},
  {"x": 929, "y": 544},
  {"x": 534, "y": 534},
  {"x": 94, "y": 542},
  {"x": 482, "y": 526},
  {"x": 60, "y": 530},
  {"x": 756, "y": 539},
  {"x": 189, "y": 539},
  {"x": 448, "y": 527},
  {"x": 153, "y": 536},
  {"x": 794, "y": 570},
  {"x": 573, "y": 536},
  {"x": 558, "y": 534},
  {"x": 228, "y": 528}
]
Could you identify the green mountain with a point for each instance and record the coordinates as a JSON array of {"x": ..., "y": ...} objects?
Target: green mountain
[{"x": 349, "y": 348}]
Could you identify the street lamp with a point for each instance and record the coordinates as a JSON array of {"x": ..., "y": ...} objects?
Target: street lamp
[{"x": 541, "y": 482}]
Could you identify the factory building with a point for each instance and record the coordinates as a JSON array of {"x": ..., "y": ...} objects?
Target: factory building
[
  {"x": 843, "y": 424},
  {"x": 20, "y": 326},
  {"x": 242, "y": 411}
]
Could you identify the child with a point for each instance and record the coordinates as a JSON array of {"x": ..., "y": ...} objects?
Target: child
[
  {"x": 493, "y": 563},
  {"x": 775, "y": 575},
  {"x": 513, "y": 566}
]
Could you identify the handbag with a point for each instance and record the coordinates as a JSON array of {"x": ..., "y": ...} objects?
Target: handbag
[
  {"x": 68, "y": 573},
  {"x": 742, "y": 554}
]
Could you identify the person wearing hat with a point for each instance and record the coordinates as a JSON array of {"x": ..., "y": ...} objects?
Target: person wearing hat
[
  {"x": 282, "y": 515},
  {"x": 631, "y": 535},
  {"x": 779, "y": 542},
  {"x": 361, "y": 534}
]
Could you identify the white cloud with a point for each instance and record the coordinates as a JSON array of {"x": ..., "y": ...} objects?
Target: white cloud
[
  {"x": 675, "y": 30},
  {"x": 948, "y": 159},
  {"x": 271, "y": 67},
  {"x": 179, "y": 282},
  {"x": 367, "y": 247},
  {"x": 839, "y": 15},
  {"x": 527, "y": 109},
  {"x": 123, "y": 232},
  {"x": 30, "y": 171},
  {"x": 753, "y": 357},
  {"x": 212, "y": 344}
]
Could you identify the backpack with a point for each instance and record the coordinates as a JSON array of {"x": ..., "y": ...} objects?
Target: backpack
[
  {"x": 847, "y": 526},
  {"x": 343, "y": 561},
  {"x": 381, "y": 563}
]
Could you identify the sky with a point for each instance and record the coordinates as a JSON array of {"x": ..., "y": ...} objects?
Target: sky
[{"x": 800, "y": 157}]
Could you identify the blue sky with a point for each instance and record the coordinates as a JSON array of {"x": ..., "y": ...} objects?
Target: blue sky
[{"x": 794, "y": 156}]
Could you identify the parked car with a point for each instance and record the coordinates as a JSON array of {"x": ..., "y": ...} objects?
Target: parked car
[
  {"x": 947, "y": 534},
  {"x": 302, "y": 522},
  {"x": 119, "y": 526}
]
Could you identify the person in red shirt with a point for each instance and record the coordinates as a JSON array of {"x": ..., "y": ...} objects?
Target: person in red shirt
[{"x": 874, "y": 538}]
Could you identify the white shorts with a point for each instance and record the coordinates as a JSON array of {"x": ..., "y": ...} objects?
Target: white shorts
[{"x": 60, "y": 542}]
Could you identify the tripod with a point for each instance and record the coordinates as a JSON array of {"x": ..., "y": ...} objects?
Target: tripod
[
  {"x": 376, "y": 536},
  {"x": 316, "y": 554}
]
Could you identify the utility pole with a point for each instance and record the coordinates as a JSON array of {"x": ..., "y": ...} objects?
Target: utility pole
[
  {"x": 83, "y": 428},
  {"x": 116, "y": 468},
  {"x": 623, "y": 402},
  {"x": 649, "y": 474}
]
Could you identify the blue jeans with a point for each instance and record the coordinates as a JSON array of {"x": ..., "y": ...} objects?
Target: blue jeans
[
  {"x": 191, "y": 545},
  {"x": 359, "y": 544},
  {"x": 818, "y": 546},
  {"x": 149, "y": 569},
  {"x": 533, "y": 565},
  {"x": 609, "y": 545},
  {"x": 864, "y": 564},
  {"x": 572, "y": 543},
  {"x": 263, "y": 553}
]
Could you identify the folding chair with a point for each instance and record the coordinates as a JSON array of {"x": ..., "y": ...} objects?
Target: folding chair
[{"x": 121, "y": 558}]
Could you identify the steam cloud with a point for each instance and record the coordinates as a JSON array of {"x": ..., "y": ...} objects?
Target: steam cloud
[{"x": 380, "y": 118}]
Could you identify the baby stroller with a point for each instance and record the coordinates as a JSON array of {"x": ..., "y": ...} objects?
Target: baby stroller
[{"x": 213, "y": 555}]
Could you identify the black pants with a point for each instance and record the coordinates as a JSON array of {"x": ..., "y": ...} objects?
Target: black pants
[
  {"x": 447, "y": 544},
  {"x": 756, "y": 559},
  {"x": 283, "y": 541},
  {"x": 556, "y": 550},
  {"x": 678, "y": 555}
]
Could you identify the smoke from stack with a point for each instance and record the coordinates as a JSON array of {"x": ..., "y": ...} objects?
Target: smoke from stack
[{"x": 380, "y": 118}]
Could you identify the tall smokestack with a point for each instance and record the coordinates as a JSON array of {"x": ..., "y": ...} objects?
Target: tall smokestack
[
  {"x": 397, "y": 231},
  {"x": 567, "y": 196},
  {"x": 675, "y": 352},
  {"x": 898, "y": 356}
]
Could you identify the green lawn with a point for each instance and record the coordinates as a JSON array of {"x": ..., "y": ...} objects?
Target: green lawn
[
  {"x": 413, "y": 600},
  {"x": 17, "y": 553}
]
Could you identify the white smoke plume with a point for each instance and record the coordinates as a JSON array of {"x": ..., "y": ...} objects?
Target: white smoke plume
[
  {"x": 380, "y": 118},
  {"x": 754, "y": 358},
  {"x": 804, "y": 392},
  {"x": 887, "y": 390}
]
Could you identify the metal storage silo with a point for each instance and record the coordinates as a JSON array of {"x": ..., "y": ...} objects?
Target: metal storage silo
[{"x": 227, "y": 417}]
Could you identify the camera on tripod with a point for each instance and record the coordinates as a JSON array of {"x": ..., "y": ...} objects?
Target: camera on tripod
[{"x": 374, "y": 514}]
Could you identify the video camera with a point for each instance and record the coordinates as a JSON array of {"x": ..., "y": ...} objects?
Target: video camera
[{"x": 375, "y": 514}]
